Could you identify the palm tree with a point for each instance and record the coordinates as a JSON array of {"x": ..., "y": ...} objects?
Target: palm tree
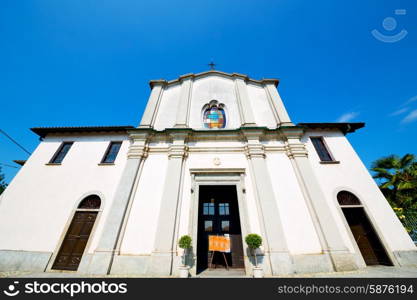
[{"x": 397, "y": 178}]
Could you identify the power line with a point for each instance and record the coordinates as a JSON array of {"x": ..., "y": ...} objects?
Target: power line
[
  {"x": 6, "y": 165},
  {"x": 14, "y": 141}
]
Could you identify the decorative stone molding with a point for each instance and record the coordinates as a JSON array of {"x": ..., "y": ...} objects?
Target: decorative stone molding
[
  {"x": 178, "y": 148},
  {"x": 253, "y": 147},
  {"x": 293, "y": 146},
  {"x": 178, "y": 151},
  {"x": 296, "y": 150},
  {"x": 292, "y": 132},
  {"x": 139, "y": 148},
  {"x": 213, "y": 72},
  {"x": 255, "y": 150}
]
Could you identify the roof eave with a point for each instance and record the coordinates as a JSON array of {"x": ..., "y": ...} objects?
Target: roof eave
[
  {"x": 345, "y": 127},
  {"x": 44, "y": 131}
]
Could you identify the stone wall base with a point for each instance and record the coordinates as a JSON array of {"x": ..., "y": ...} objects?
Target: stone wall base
[
  {"x": 130, "y": 265},
  {"x": 281, "y": 263},
  {"x": 97, "y": 263},
  {"x": 406, "y": 258},
  {"x": 345, "y": 261},
  {"x": 312, "y": 263},
  {"x": 160, "y": 264},
  {"x": 15, "y": 260}
]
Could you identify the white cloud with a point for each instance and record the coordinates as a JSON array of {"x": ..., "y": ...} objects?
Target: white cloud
[
  {"x": 411, "y": 117},
  {"x": 399, "y": 111},
  {"x": 409, "y": 101},
  {"x": 347, "y": 117}
]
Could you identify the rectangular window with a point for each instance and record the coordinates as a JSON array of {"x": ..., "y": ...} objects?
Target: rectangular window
[
  {"x": 61, "y": 153},
  {"x": 224, "y": 209},
  {"x": 208, "y": 226},
  {"x": 111, "y": 153},
  {"x": 208, "y": 209},
  {"x": 225, "y": 226},
  {"x": 321, "y": 149}
]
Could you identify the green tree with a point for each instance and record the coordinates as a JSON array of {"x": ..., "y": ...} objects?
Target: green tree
[
  {"x": 397, "y": 179},
  {"x": 3, "y": 184}
]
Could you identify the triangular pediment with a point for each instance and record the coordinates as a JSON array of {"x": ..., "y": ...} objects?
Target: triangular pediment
[{"x": 211, "y": 73}]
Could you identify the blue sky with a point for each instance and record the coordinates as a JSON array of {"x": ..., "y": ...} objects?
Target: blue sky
[{"x": 80, "y": 62}]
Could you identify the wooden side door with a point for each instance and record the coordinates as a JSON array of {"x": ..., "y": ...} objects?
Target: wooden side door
[
  {"x": 370, "y": 246},
  {"x": 75, "y": 241}
]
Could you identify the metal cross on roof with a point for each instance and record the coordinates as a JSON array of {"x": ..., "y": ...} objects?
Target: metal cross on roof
[{"x": 212, "y": 65}]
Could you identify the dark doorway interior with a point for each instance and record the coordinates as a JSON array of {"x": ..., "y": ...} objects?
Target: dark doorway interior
[
  {"x": 218, "y": 214},
  {"x": 371, "y": 248}
]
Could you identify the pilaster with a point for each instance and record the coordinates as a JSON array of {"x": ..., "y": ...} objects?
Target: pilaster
[
  {"x": 149, "y": 115},
  {"x": 245, "y": 108},
  {"x": 277, "y": 252},
  {"x": 162, "y": 257},
  {"x": 101, "y": 260},
  {"x": 184, "y": 102},
  {"x": 322, "y": 217},
  {"x": 276, "y": 103}
]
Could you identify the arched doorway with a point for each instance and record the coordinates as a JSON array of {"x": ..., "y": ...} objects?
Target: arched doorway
[
  {"x": 369, "y": 244},
  {"x": 78, "y": 233}
]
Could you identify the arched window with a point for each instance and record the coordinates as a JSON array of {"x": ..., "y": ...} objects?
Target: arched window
[
  {"x": 214, "y": 115},
  {"x": 91, "y": 202},
  {"x": 347, "y": 198}
]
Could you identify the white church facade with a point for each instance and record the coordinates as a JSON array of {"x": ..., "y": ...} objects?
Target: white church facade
[{"x": 214, "y": 154}]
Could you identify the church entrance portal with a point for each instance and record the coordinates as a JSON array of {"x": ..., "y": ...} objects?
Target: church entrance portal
[{"x": 218, "y": 214}]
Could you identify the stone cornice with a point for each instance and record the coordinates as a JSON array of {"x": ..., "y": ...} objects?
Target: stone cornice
[
  {"x": 241, "y": 134},
  {"x": 292, "y": 132},
  {"x": 153, "y": 83},
  {"x": 138, "y": 148},
  {"x": 217, "y": 170}
]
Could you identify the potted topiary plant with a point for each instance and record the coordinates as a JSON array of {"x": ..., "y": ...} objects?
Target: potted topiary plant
[
  {"x": 254, "y": 241},
  {"x": 185, "y": 244}
]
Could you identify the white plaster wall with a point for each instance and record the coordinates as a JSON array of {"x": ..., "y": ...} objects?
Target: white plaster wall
[
  {"x": 352, "y": 175},
  {"x": 141, "y": 227},
  {"x": 168, "y": 106},
  {"x": 296, "y": 220},
  {"x": 40, "y": 200},
  {"x": 214, "y": 87},
  {"x": 261, "y": 108}
]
